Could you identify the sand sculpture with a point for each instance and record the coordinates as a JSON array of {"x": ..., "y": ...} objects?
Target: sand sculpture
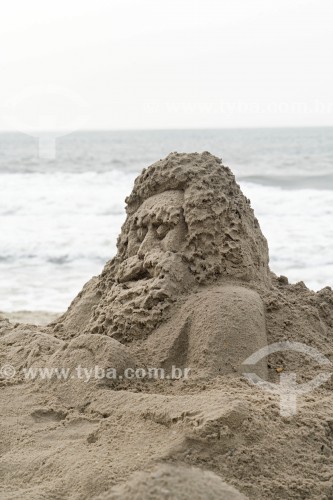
[
  {"x": 190, "y": 286},
  {"x": 183, "y": 282}
]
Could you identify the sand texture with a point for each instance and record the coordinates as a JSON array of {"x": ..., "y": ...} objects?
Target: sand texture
[{"x": 189, "y": 287}]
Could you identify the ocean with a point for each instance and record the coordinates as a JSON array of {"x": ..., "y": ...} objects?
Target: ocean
[{"x": 60, "y": 218}]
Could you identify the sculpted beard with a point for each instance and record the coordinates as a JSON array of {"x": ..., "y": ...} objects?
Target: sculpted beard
[
  {"x": 152, "y": 273},
  {"x": 144, "y": 290}
]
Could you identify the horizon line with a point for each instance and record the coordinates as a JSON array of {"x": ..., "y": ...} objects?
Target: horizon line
[{"x": 63, "y": 132}]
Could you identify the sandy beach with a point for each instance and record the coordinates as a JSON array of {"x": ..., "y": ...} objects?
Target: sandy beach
[
  {"x": 186, "y": 369},
  {"x": 166, "y": 270}
]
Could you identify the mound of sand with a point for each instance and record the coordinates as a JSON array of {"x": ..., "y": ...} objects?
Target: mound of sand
[
  {"x": 168, "y": 482},
  {"x": 189, "y": 288}
]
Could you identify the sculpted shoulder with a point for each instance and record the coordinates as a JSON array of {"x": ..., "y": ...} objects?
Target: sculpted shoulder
[{"x": 213, "y": 332}]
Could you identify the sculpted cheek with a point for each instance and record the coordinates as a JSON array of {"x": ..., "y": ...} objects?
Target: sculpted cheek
[{"x": 174, "y": 239}]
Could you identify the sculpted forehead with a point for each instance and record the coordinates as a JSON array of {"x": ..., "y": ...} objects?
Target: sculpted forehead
[
  {"x": 160, "y": 206},
  {"x": 165, "y": 199},
  {"x": 158, "y": 224}
]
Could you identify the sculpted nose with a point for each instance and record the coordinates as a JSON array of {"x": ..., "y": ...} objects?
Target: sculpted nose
[{"x": 149, "y": 243}]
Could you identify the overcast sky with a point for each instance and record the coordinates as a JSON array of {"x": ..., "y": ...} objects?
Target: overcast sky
[{"x": 115, "y": 64}]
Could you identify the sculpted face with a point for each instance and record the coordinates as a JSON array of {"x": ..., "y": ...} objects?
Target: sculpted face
[
  {"x": 157, "y": 227},
  {"x": 158, "y": 224},
  {"x": 153, "y": 272}
]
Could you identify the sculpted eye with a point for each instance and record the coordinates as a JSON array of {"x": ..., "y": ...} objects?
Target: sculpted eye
[
  {"x": 141, "y": 233},
  {"x": 162, "y": 231}
]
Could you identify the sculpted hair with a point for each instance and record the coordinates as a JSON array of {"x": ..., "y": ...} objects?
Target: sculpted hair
[{"x": 224, "y": 236}]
